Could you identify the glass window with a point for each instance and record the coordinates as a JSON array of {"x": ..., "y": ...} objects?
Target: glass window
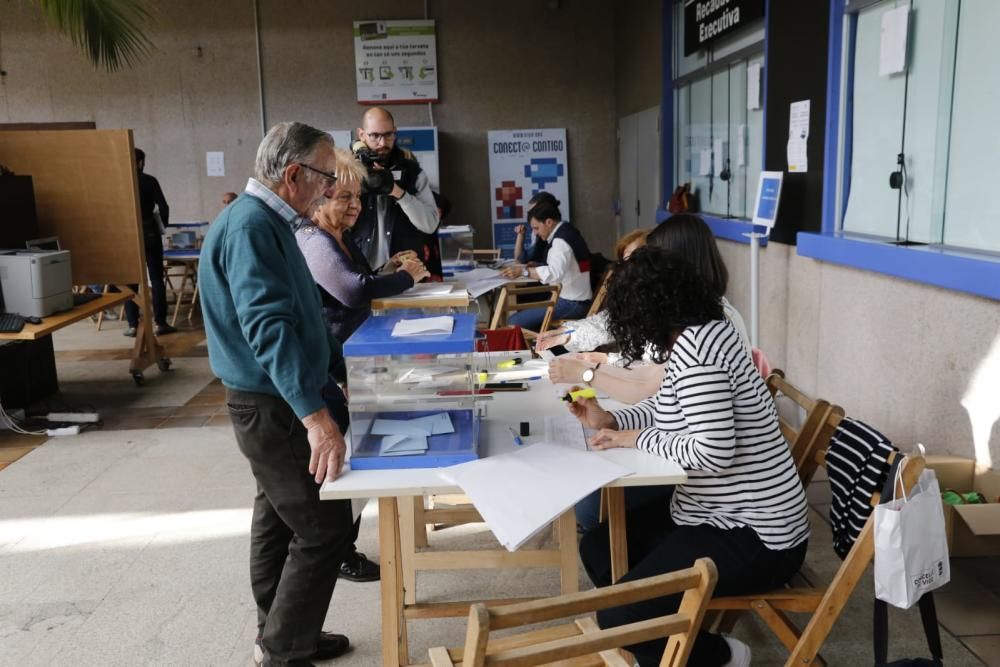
[
  {"x": 938, "y": 117},
  {"x": 715, "y": 135}
]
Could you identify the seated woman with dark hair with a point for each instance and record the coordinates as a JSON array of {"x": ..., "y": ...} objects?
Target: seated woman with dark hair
[{"x": 743, "y": 505}]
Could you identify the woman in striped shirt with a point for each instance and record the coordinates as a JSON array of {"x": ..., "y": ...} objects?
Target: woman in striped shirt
[{"x": 743, "y": 505}]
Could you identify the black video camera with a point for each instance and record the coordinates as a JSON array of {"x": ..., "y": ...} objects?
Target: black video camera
[{"x": 378, "y": 180}]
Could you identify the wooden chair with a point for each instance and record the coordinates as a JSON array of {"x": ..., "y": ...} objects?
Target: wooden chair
[
  {"x": 595, "y": 305},
  {"x": 507, "y": 304},
  {"x": 486, "y": 255},
  {"x": 808, "y": 445},
  {"x": 583, "y": 637}
]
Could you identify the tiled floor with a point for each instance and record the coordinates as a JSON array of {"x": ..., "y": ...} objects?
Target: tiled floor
[{"x": 968, "y": 608}]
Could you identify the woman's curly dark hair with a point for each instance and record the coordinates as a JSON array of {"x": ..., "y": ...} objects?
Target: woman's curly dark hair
[{"x": 652, "y": 297}]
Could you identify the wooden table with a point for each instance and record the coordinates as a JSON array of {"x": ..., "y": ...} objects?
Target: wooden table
[
  {"x": 394, "y": 488},
  {"x": 52, "y": 323},
  {"x": 187, "y": 260}
]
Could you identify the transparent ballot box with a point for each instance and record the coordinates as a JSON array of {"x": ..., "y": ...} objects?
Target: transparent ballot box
[
  {"x": 411, "y": 398},
  {"x": 453, "y": 239}
]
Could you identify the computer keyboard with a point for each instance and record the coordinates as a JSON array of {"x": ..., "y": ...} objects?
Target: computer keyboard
[{"x": 11, "y": 323}]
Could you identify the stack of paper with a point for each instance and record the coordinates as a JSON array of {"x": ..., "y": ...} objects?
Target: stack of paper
[
  {"x": 550, "y": 480},
  {"x": 424, "y": 326},
  {"x": 408, "y": 437},
  {"x": 429, "y": 290}
]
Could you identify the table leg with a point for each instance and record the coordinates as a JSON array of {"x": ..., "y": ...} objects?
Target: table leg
[
  {"x": 408, "y": 526},
  {"x": 395, "y": 650},
  {"x": 569, "y": 564},
  {"x": 616, "y": 526}
]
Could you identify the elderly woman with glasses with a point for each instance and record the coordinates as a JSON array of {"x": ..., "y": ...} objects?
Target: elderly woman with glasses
[{"x": 347, "y": 283}]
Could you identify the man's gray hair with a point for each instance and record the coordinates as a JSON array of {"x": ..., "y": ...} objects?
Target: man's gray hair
[{"x": 285, "y": 144}]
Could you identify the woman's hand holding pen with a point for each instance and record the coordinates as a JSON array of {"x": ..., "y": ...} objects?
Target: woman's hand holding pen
[{"x": 551, "y": 339}]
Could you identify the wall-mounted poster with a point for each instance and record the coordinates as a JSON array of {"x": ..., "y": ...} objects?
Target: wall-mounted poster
[
  {"x": 395, "y": 61},
  {"x": 523, "y": 163}
]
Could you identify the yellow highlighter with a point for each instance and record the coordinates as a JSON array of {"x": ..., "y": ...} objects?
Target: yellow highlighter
[
  {"x": 510, "y": 363},
  {"x": 574, "y": 395}
]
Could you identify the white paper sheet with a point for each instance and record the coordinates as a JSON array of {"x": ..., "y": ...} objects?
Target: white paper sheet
[
  {"x": 403, "y": 445},
  {"x": 481, "y": 287},
  {"x": 566, "y": 430},
  {"x": 466, "y": 277},
  {"x": 424, "y": 326},
  {"x": 798, "y": 136},
  {"x": 435, "y": 424},
  {"x": 753, "y": 86},
  {"x": 719, "y": 155},
  {"x": 550, "y": 480},
  {"x": 705, "y": 162},
  {"x": 430, "y": 289},
  {"x": 426, "y": 374},
  {"x": 741, "y": 146},
  {"x": 892, "y": 42}
]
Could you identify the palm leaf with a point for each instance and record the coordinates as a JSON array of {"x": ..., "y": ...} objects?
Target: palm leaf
[{"x": 109, "y": 31}]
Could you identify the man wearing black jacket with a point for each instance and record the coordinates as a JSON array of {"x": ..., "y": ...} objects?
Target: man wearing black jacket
[
  {"x": 151, "y": 199},
  {"x": 404, "y": 217}
]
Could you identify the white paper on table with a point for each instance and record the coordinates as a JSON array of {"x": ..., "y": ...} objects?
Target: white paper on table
[
  {"x": 429, "y": 289},
  {"x": 424, "y": 326},
  {"x": 892, "y": 41},
  {"x": 481, "y": 287},
  {"x": 550, "y": 480},
  {"x": 566, "y": 430},
  {"x": 481, "y": 273},
  {"x": 705, "y": 162},
  {"x": 719, "y": 155},
  {"x": 753, "y": 86},
  {"x": 403, "y": 445}
]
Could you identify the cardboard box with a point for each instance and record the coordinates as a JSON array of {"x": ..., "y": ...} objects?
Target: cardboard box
[{"x": 973, "y": 530}]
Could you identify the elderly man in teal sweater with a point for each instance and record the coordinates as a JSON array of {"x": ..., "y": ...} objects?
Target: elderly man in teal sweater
[{"x": 268, "y": 344}]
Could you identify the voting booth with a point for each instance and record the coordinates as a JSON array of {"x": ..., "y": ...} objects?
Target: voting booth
[{"x": 411, "y": 383}]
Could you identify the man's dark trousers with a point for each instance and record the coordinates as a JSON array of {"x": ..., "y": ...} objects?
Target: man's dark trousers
[
  {"x": 157, "y": 286},
  {"x": 297, "y": 542}
]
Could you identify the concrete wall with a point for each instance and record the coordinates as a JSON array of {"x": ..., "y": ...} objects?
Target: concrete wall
[
  {"x": 638, "y": 58},
  {"x": 503, "y": 65},
  {"x": 899, "y": 355}
]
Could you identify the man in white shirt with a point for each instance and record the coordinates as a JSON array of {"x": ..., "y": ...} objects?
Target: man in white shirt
[{"x": 567, "y": 264}]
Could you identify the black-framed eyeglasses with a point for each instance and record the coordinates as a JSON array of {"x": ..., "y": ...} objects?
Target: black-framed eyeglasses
[
  {"x": 330, "y": 178},
  {"x": 381, "y": 136}
]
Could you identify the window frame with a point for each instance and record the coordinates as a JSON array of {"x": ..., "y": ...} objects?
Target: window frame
[
  {"x": 734, "y": 228},
  {"x": 959, "y": 269}
]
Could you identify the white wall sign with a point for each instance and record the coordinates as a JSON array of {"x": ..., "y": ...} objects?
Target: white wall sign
[
  {"x": 395, "y": 61},
  {"x": 523, "y": 163},
  {"x": 215, "y": 163}
]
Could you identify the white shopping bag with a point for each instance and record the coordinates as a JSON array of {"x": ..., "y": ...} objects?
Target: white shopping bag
[{"x": 911, "y": 551}]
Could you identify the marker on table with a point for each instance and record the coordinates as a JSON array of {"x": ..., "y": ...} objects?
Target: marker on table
[
  {"x": 517, "y": 438},
  {"x": 510, "y": 363}
]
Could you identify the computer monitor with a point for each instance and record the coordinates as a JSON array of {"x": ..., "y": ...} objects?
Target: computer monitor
[{"x": 47, "y": 243}]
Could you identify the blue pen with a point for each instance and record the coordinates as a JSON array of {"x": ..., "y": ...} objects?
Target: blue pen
[{"x": 517, "y": 438}]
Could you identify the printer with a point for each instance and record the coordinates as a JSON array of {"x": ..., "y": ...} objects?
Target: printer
[{"x": 36, "y": 283}]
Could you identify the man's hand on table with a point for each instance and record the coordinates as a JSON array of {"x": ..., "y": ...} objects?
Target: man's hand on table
[
  {"x": 608, "y": 438},
  {"x": 513, "y": 271},
  {"x": 327, "y": 445}
]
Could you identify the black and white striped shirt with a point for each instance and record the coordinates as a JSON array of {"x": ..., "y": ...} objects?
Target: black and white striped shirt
[{"x": 714, "y": 415}]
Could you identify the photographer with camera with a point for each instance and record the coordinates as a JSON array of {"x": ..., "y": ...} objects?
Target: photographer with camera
[{"x": 398, "y": 210}]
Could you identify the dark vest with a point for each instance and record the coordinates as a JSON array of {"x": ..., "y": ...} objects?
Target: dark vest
[
  {"x": 400, "y": 234},
  {"x": 581, "y": 253}
]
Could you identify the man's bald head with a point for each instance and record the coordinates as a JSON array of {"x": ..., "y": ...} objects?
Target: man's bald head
[
  {"x": 378, "y": 131},
  {"x": 377, "y": 115}
]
